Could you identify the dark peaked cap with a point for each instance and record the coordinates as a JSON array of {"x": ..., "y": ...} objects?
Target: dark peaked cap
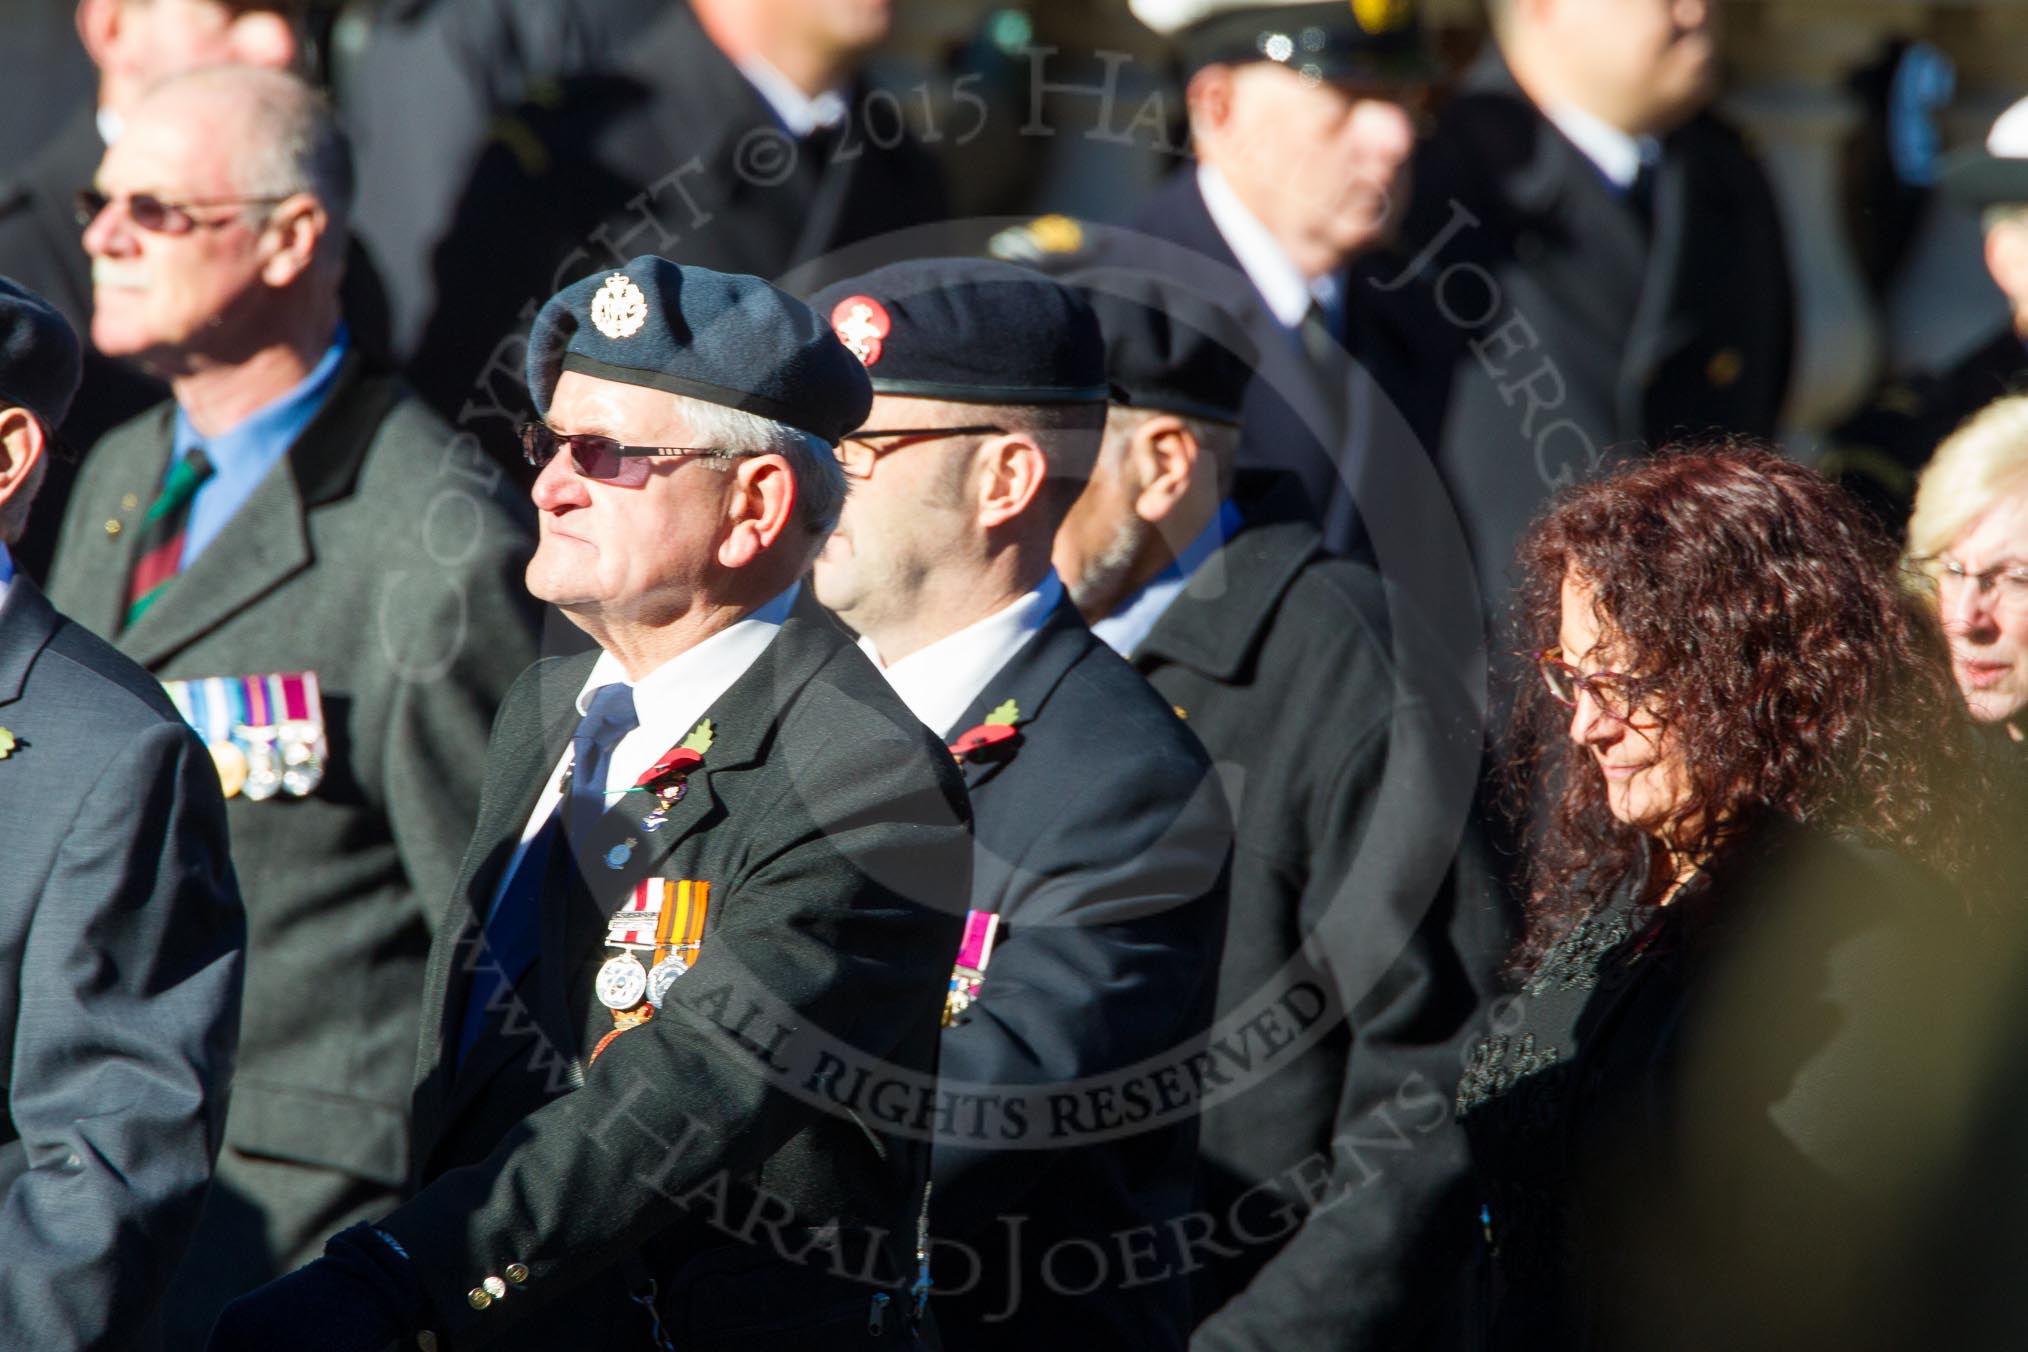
[
  {"x": 40, "y": 360},
  {"x": 970, "y": 330},
  {"x": 719, "y": 337}
]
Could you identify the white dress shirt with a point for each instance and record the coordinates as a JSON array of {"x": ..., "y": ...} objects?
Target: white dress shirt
[
  {"x": 669, "y": 701},
  {"x": 1617, "y": 155},
  {"x": 799, "y": 113},
  {"x": 1261, "y": 256},
  {"x": 940, "y": 682}
]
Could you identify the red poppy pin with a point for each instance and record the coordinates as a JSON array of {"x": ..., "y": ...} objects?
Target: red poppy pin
[
  {"x": 861, "y": 322},
  {"x": 998, "y": 730}
]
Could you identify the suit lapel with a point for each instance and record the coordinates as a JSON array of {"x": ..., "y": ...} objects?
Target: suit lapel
[
  {"x": 525, "y": 751},
  {"x": 26, "y": 622},
  {"x": 743, "y": 720},
  {"x": 267, "y": 541},
  {"x": 1660, "y": 328},
  {"x": 1028, "y": 678}
]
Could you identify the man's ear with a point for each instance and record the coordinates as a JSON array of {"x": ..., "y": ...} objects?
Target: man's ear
[
  {"x": 263, "y": 38},
  {"x": 1208, "y": 99},
  {"x": 98, "y": 27},
  {"x": 22, "y": 446},
  {"x": 760, "y": 506},
  {"x": 300, "y": 223},
  {"x": 2007, "y": 260},
  {"x": 1011, "y": 473},
  {"x": 1162, "y": 458}
]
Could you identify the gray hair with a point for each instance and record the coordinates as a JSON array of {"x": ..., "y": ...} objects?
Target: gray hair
[
  {"x": 294, "y": 141},
  {"x": 820, "y": 481}
]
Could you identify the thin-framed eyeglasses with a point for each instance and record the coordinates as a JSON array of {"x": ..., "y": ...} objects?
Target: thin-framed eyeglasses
[
  {"x": 1943, "y": 576},
  {"x": 606, "y": 458},
  {"x": 857, "y": 452},
  {"x": 161, "y": 217},
  {"x": 1616, "y": 694}
]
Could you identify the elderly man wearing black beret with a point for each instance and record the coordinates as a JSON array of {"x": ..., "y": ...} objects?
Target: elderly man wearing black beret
[
  {"x": 120, "y": 933},
  {"x": 1065, "y": 1163},
  {"x": 683, "y": 1001},
  {"x": 1362, "y": 887}
]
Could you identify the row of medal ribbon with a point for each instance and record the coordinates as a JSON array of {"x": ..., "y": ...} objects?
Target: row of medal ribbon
[
  {"x": 265, "y": 733},
  {"x": 663, "y": 917},
  {"x": 982, "y": 928}
]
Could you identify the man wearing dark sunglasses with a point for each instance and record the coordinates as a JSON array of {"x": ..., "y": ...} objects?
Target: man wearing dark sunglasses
[
  {"x": 292, "y": 513},
  {"x": 587, "y": 1074},
  {"x": 132, "y": 44},
  {"x": 1102, "y": 837}
]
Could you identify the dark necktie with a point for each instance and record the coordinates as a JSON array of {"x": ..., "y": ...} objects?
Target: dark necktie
[
  {"x": 161, "y": 543},
  {"x": 514, "y": 929},
  {"x": 1320, "y": 339},
  {"x": 609, "y": 717}
]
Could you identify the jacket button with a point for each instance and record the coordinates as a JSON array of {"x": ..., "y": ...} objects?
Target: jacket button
[
  {"x": 477, "y": 1298},
  {"x": 517, "y": 1274},
  {"x": 426, "y": 1341},
  {"x": 113, "y": 526},
  {"x": 495, "y": 1288}
]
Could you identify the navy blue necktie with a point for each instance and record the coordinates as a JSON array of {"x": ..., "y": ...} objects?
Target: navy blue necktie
[
  {"x": 514, "y": 929},
  {"x": 609, "y": 717}
]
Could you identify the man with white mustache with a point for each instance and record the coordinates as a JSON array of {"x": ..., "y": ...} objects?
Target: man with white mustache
[{"x": 328, "y": 581}]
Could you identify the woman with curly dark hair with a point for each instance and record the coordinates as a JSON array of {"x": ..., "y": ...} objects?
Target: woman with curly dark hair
[{"x": 1755, "y": 759}]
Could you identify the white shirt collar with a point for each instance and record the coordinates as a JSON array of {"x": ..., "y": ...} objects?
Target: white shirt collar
[
  {"x": 671, "y": 699},
  {"x": 798, "y": 112},
  {"x": 1266, "y": 263},
  {"x": 6, "y": 573},
  {"x": 1129, "y": 626},
  {"x": 1617, "y": 155},
  {"x": 940, "y": 682}
]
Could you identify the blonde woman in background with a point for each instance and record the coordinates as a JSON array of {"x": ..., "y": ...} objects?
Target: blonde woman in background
[{"x": 1968, "y": 553}]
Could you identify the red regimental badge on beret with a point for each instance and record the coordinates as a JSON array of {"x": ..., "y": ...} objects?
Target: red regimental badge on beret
[{"x": 860, "y": 323}]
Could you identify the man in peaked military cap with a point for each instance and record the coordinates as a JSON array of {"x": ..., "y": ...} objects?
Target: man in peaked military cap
[
  {"x": 1098, "y": 890},
  {"x": 1301, "y": 121},
  {"x": 705, "y": 883},
  {"x": 1356, "y": 889}
]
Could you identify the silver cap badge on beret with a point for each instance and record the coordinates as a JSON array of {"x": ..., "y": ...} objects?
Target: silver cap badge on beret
[{"x": 619, "y": 309}]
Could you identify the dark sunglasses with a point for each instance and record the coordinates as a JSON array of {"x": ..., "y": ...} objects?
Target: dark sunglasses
[
  {"x": 603, "y": 458},
  {"x": 152, "y": 214}
]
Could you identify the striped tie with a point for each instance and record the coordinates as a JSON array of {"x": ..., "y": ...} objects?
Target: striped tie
[{"x": 162, "y": 533}]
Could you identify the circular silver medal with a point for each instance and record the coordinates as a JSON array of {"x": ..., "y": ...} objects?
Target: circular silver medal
[
  {"x": 263, "y": 779},
  {"x": 302, "y": 768},
  {"x": 622, "y": 982},
  {"x": 662, "y": 976}
]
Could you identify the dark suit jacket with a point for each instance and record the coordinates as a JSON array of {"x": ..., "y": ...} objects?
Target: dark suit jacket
[
  {"x": 1735, "y": 1146},
  {"x": 120, "y": 939},
  {"x": 662, "y": 148},
  {"x": 1102, "y": 843},
  {"x": 1358, "y": 895},
  {"x": 381, "y": 555},
  {"x": 762, "y": 1115},
  {"x": 1634, "y": 331},
  {"x": 1345, "y": 420}
]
